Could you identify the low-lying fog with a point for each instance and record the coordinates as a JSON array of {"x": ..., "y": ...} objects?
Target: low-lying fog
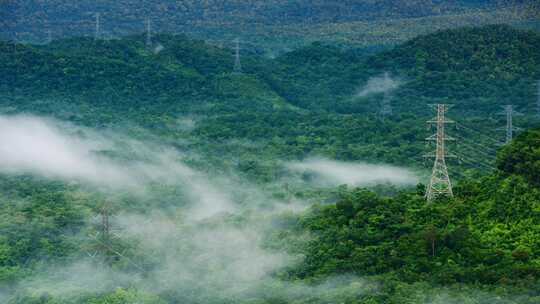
[{"x": 211, "y": 247}]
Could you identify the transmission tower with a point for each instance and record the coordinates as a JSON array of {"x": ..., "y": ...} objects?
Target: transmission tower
[
  {"x": 386, "y": 106},
  {"x": 386, "y": 103},
  {"x": 148, "y": 33},
  {"x": 509, "y": 112},
  {"x": 439, "y": 184},
  {"x": 97, "y": 34},
  {"x": 237, "y": 65},
  {"x": 49, "y": 36},
  {"x": 104, "y": 238},
  {"x": 103, "y": 235}
]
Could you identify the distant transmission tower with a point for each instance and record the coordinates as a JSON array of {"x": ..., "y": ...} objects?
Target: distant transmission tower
[
  {"x": 104, "y": 238},
  {"x": 386, "y": 106},
  {"x": 509, "y": 112},
  {"x": 103, "y": 235},
  {"x": 97, "y": 34},
  {"x": 237, "y": 65},
  {"x": 49, "y": 36},
  {"x": 148, "y": 33},
  {"x": 105, "y": 225},
  {"x": 386, "y": 103},
  {"x": 439, "y": 184}
]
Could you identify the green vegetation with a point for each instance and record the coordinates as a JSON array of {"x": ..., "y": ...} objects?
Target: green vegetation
[
  {"x": 270, "y": 26},
  {"x": 237, "y": 134}
]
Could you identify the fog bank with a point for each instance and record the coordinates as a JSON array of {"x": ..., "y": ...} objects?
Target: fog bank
[
  {"x": 331, "y": 173},
  {"x": 379, "y": 84}
]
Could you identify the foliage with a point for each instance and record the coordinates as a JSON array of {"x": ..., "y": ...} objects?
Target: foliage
[{"x": 481, "y": 247}]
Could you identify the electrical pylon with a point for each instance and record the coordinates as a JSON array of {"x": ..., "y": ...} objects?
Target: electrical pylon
[
  {"x": 148, "y": 33},
  {"x": 439, "y": 184},
  {"x": 386, "y": 103},
  {"x": 103, "y": 235},
  {"x": 105, "y": 226},
  {"x": 49, "y": 36},
  {"x": 97, "y": 34},
  {"x": 104, "y": 238},
  {"x": 386, "y": 106},
  {"x": 510, "y": 129},
  {"x": 237, "y": 64}
]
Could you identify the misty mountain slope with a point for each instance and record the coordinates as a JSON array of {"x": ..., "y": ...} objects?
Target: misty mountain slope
[
  {"x": 489, "y": 234},
  {"x": 474, "y": 68},
  {"x": 319, "y": 100},
  {"x": 470, "y": 63},
  {"x": 192, "y": 237},
  {"x": 132, "y": 174}
]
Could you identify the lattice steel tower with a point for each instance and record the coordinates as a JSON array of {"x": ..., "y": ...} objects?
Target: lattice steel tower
[
  {"x": 237, "y": 64},
  {"x": 439, "y": 184},
  {"x": 386, "y": 106},
  {"x": 386, "y": 103},
  {"x": 509, "y": 112},
  {"x": 148, "y": 33},
  {"x": 97, "y": 34}
]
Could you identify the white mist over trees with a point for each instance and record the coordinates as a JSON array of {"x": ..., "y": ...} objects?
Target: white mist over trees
[
  {"x": 332, "y": 173},
  {"x": 379, "y": 84}
]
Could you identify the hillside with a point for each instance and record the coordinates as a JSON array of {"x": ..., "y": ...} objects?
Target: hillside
[
  {"x": 488, "y": 236},
  {"x": 135, "y": 174},
  {"x": 272, "y": 26},
  {"x": 365, "y": 248},
  {"x": 331, "y": 95},
  {"x": 116, "y": 73},
  {"x": 473, "y": 68}
]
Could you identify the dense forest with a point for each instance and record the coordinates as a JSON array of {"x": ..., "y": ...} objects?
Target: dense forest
[
  {"x": 136, "y": 173},
  {"x": 270, "y": 26}
]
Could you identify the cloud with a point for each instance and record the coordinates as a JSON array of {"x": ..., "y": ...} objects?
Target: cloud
[
  {"x": 158, "y": 48},
  {"x": 74, "y": 280},
  {"x": 379, "y": 84},
  {"x": 42, "y": 147},
  {"x": 51, "y": 149},
  {"x": 211, "y": 248},
  {"x": 329, "y": 172}
]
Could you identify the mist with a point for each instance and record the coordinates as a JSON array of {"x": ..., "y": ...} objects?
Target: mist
[
  {"x": 191, "y": 245},
  {"x": 214, "y": 247},
  {"x": 379, "y": 84},
  {"x": 32, "y": 145},
  {"x": 327, "y": 172}
]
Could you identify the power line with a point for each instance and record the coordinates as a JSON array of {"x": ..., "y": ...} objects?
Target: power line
[
  {"x": 476, "y": 163},
  {"x": 477, "y": 160},
  {"x": 485, "y": 136},
  {"x": 470, "y": 142}
]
